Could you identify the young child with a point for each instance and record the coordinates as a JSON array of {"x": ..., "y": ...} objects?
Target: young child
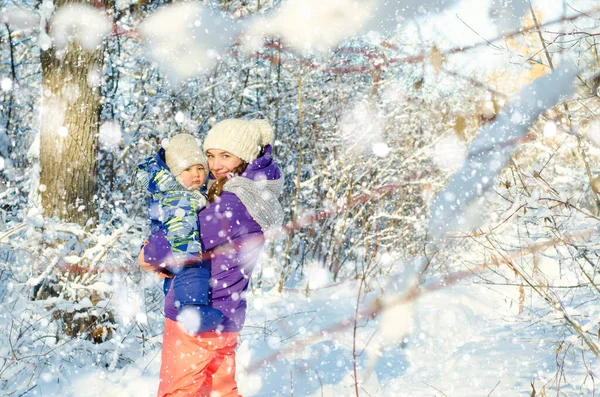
[{"x": 175, "y": 199}]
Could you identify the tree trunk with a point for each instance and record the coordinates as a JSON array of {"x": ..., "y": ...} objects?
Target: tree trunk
[{"x": 69, "y": 133}]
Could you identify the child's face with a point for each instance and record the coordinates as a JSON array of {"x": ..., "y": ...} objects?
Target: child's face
[{"x": 193, "y": 177}]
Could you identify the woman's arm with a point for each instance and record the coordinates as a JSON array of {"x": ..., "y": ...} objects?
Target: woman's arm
[{"x": 219, "y": 223}]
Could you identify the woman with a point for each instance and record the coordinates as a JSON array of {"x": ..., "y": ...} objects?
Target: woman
[{"x": 243, "y": 198}]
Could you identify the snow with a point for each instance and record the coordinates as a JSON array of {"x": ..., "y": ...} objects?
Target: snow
[
  {"x": 449, "y": 153},
  {"x": 179, "y": 117},
  {"x": 47, "y": 8},
  {"x": 461, "y": 320},
  {"x": 6, "y": 84},
  {"x": 44, "y": 41},
  {"x": 110, "y": 135},
  {"x": 128, "y": 304},
  {"x": 317, "y": 26},
  {"x": 492, "y": 148},
  {"x": 190, "y": 319},
  {"x": 388, "y": 16},
  {"x": 593, "y": 132},
  {"x": 550, "y": 129},
  {"x": 94, "y": 78},
  {"x": 361, "y": 129},
  {"x": 164, "y": 143},
  {"x": 35, "y": 217},
  {"x": 19, "y": 19},
  {"x": 185, "y": 39},
  {"x": 459, "y": 344},
  {"x": 508, "y": 14},
  {"x": 124, "y": 4},
  {"x": 380, "y": 149},
  {"x": 311, "y": 25},
  {"x": 316, "y": 276},
  {"x": 53, "y": 112},
  {"x": 63, "y": 131},
  {"x": 79, "y": 22}
]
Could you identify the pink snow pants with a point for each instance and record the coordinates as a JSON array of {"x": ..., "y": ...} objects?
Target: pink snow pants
[{"x": 197, "y": 365}]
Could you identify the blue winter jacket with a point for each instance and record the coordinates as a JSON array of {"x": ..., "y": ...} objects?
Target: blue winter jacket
[{"x": 173, "y": 212}]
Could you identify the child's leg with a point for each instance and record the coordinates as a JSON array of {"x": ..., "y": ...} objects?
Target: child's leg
[
  {"x": 184, "y": 363},
  {"x": 192, "y": 289},
  {"x": 221, "y": 370},
  {"x": 192, "y": 285}
]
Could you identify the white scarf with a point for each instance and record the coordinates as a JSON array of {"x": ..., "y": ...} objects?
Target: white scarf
[{"x": 261, "y": 199}]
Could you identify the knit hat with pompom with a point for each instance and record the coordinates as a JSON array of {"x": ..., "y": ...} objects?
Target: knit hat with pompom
[
  {"x": 242, "y": 138},
  {"x": 182, "y": 152}
]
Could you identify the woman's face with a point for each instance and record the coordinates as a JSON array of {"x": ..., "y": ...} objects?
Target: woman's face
[{"x": 221, "y": 162}]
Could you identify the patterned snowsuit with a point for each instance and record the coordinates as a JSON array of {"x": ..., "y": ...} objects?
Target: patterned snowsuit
[{"x": 173, "y": 211}]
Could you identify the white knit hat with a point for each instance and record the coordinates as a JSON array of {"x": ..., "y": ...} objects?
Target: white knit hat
[
  {"x": 242, "y": 138},
  {"x": 182, "y": 152}
]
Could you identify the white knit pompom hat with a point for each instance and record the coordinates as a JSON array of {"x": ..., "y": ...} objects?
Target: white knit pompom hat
[
  {"x": 242, "y": 138},
  {"x": 182, "y": 152}
]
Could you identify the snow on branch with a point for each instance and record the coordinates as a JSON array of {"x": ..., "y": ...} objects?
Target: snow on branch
[
  {"x": 457, "y": 204},
  {"x": 311, "y": 25},
  {"x": 186, "y": 39},
  {"x": 18, "y": 18}
]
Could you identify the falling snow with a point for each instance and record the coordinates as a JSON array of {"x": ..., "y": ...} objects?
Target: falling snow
[
  {"x": 6, "y": 84},
  {"x": 441, "y": 197},
  {"x": 449, "y": 153},
  {"x": 110, "y": 135},
  {"x": 80, "y": 22}
]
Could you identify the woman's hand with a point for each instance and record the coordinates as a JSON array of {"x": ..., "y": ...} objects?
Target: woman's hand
[{"x": 163, "y": 273}]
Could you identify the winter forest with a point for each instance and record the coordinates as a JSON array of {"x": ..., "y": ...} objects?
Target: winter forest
[{"x": 442, "y": 191}]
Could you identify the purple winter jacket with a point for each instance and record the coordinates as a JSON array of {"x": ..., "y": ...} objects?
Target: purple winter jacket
[{"x": 234, "y": 240}]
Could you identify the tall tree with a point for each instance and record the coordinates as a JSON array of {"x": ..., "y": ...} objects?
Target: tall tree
[{"x": 69, "y": 131}]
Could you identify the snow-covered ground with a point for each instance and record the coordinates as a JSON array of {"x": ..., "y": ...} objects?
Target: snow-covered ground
[{"x": 465, "y": 340}]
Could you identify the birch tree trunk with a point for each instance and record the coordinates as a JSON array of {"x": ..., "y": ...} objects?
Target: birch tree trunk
[{"x": 69, "y": 132}]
